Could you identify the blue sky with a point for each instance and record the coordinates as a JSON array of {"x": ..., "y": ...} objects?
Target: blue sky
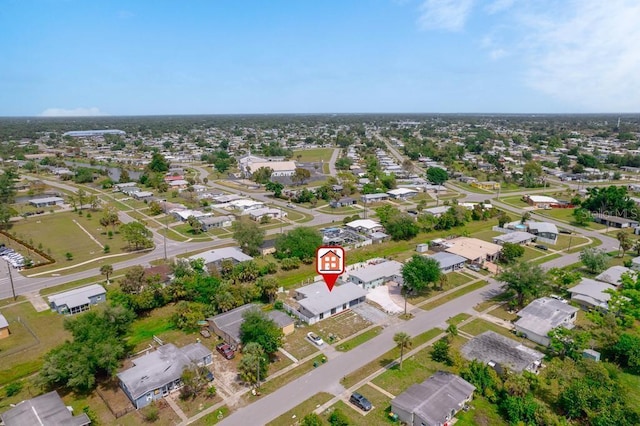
[{"x": 82, "y": 57}]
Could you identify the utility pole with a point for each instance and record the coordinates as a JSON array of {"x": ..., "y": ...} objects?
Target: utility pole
[
  {"x": 166, "y": 229},
  {"x": 13, "y": 290}
]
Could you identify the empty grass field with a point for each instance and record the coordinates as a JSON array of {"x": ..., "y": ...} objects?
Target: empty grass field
[
  {"x": 294, "y": 415},
  {"x": 453, "y": 295},
  {"x": 313, "y": 155},
  {"x": 359, "y": 339}
]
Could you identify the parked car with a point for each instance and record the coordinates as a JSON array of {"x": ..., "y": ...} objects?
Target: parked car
[
  {"x": 205, "y": 333},
  {"x": 360, "y": 401},
  {"x": 564, "y": 231},
  {"x": 209, "y": 376},
  {"x": 474, "y": 267},
  {"x": 225, "y": 350},
  {"x": 315, "y": 338},
  {"x": 541, "y": 247}
]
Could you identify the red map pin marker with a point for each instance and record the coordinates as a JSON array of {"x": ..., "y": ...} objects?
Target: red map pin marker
[{"x": 330, "y": 263}]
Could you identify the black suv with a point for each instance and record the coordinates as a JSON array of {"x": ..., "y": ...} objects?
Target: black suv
[
  {"x": 360, "y": 401},
  {"x": 541, "y": 247}
]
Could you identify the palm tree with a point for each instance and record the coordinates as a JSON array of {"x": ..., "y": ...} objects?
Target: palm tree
[
  {"x": 106, "y": 270},
  {"x": 442, "y": 281},
  {"x": 403, "y": 341},
  {"x": 625, "y": 242}
]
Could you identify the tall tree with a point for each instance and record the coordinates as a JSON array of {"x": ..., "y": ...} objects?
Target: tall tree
[
  {"x": 196, "y": 227},
  {"x": 106, "y": 270},
  {"x": 437, "y": 175},
  {"x": 257, "y": 327},
  {"x": 300, "y": 176},
  {"x": 403, "y": 341},
  {"x": 248, "y": 235},
  {"x": 262, "y": 175},
  {"x": 300, "y": 242},
  {"x": 137, "y": 235},
  {"x": 524, "y": 280},
  {"x": 254, "y": 364},
  {"x": 625, "y": 242},
  {"x": 595, "y": 260},
  {"x": 158, "y": 163},
  {"x": 417, "y": 274}
]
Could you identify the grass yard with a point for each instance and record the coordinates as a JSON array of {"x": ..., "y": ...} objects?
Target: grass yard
[
  {"x": 359, "y": 339},
  {"x": 213, "y": 418},
  {"x": 478, "y": 326},
  {"x": 566, "y": 215},
  {"x": 449, "y": 297},
  {"x": 340, "y": 210},
  {"x": 340, "y": 326},
  {"x": 357, "y": 417},
  {"x": 486, "y": 235},
  {"x": 502, "y": 312},
  {"x": 546, "y": 258},
  {"x": 313, "y": 155},
  {"x": 531, "y": 253},
  {"x": 515, "y": 201},
  {"x": 193, "y": 406},
  {"x": 298, "y": 345},
  {"x": 482, "y": 412},
  {"x": 293, "y": 416},
  {"x": 454, "y": 279},
  {"x": 278, "y": 382},
  {"x": 385, "y": 359},
  {"x": 155, "y": 323},
  {"x": 455, "y": 320},
  {"x": 415, "y": 369},
  {"x": 23, "y": 356}
]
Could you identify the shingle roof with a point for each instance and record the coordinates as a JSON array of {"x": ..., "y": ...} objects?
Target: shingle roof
[
  {"x": 543, "y": 315},
  {"x": 433, "y": 399},
  {"x": 230, "y": 321},
  {"x": 491, "y": 346},
  {"x": 592, "y": 292},
  {"x": 613, "y": 275},
  {"x": 447, "y": 260},
  {"x": 319, "y": 299},
  {"x": 160, "y": 367},
  {"x": 47, "y": 409},
  {"x": 370, "y": 273},
  {"x": 222, "y": 254}
]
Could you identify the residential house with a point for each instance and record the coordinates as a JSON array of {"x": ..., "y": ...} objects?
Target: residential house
[
  {"x": 315, "y": 302},
  {"x": 437, "y": 211},
  {"x": 4, "y": 327},
  {"x": 46, "y": 201},
  {"x": 268, "y": 247},
  {"x": 121, "y": 186},
  {"x": 592, "y": 294},
  {"x": 517, "y": 237},
  {"x": 501, "y": 352},
  {"x": 433, "y": 402},
  {"x": 467, "y": 179},
  {"x": 541, "y": 316},
  {"x": 635, "y": 263},
  {"x": 613, "y": 275},
  {"x": 343, "y": 202},
  {"x": 473, "y": 249},
  {"x": 487, "y": 185},
  {"x": 402, "y": 193},
  {"x": 372, "y": 198},
  {"x": 156, "y": 374},
  {"x": 373, "y": 275},
  {"x": 258, "y": 214},
  {"x": 539, "y": 201},
  {"x": 227, "y": 324},
  {"x": 129, "y": 189},
  {"x": 47, "y": 409},
  {"x": 245, "y": 204},
  {"x": 212, "y": 222},
  {"x": 162, "y": 273},
  {"x": 183, "y": 215},
  {"x": 141, "y": 195},
  {"x": 614, "y": 221},
  {"x": 448, "y": 262},
  {"x": 217, "y": 256},
  {"x": 77, "y": 300},
  {"x": 365, "y": 225},
  {"x": 544, "y": 231}
]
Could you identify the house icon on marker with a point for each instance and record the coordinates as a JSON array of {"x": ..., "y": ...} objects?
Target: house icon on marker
[{"x": 330, "y": 261}]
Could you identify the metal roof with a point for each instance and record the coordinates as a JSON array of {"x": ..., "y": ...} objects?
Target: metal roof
[
  {"x": 375, "y": 272},
  {"x": 543, "y": 227},
  {"x": 222, "y": 254},
  {"x": 613, "y": 275},
  {"x": 447, "y": 260},
  {"x": 491, "y": 346},
  {"x": 77, "y": 297},
  {"x": 594, "y": 290},
  {"x": 47, "y": 409},
  {"x": 544, "y": 314},
  {"x": 516, "y": 237},
  {"x": 3, "y": 322}
]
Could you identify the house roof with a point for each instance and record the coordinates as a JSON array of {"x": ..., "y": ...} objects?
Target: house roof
[
  {"x": 47, "y": 409},
  {"x": 543, "y": 315},
  {"x": 375, "y": 272},
  {"x": 160, "y": 367},
  {"x": 265, "y": 211},
  {"x": 3, "y": 322},
  {"x": 613, "y": 275},
  {"x": 375, "y": 196},
  {"x": 447, "y": 260},
  {"x": 402, "y": 191},
  {"x": 222, "y": 254},
  {"x": 46, "y": 200},
  {"x": 542, "y": 199},
  {"x": 230, "y": 321},
  {"x": 614, "y": 219},
  {"x": 77, "y": 297},
  {"x": 433, "y": 399},
  {"x": 276, "y": 166},
  {"x": 364, "y": 223},
  {"x": 516, "y": 237},
  {"x": 472, "y": 248},
  {"x": 437, "y": 210},
  {"x": 592, "y": 291},
  {"x": 319, "y": 299},
  {"x": 491, "y": 346},
  {"x": 214, "y": 219},
  {"x": 546, "y": 227}
]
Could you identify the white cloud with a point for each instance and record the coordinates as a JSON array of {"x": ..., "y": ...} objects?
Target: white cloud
[
  {"x": 497, "y": 53},
  {"x": 449, "y": 15},
  {"x": 77, "y": 112},
  {"x": 587, "y": 56},
  {"x": 498, "y": 6}
]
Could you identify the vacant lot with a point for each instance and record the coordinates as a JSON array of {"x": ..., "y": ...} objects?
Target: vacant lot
[
  {"x": 339, "y": 326},
  {"x": 35, "y": 334},
  {"x": 478, "y": 326},
  {"x": 298, "y": 345},
  {"x": 359, "y": 339},
  {"x": 377, "y": 415},
  {"x": 454, "y": 295},
  {"x": 293, "y": 416},
  {"x": 313, "y": 155}
]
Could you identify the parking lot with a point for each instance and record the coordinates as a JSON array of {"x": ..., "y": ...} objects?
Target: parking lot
[{"x": 14, "y": 258}]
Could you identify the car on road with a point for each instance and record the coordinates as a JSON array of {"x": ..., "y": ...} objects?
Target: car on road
[
  {"x": 317, "y": 340},
  {"x": 564, "y": 231},
  {"x": 225, "y": 350},
  {"x": 541, "y": 247},
  {"x": 360, "y": 401},
  {"x": 291, "y": 206}
]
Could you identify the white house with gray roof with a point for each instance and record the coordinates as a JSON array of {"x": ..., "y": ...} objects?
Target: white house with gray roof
[
  {"x": 156, "y": 374},
  {"x": 370, "y": 276},
  {"x": 592, "y": 294},
  {"x": 541, "y": 316},
  {"x": 613, "y": 275},
  {"x": 544, "y": 231},
  {"x": 77, "y": 300},
  {"x": 501, "y": 352},
  {"x": 517, "y": 237},
  {"x": 448, "y": 261},
  {"x": 315, "y": 301},
  {"x": 433, "y": 402},
  {"x": 217, "y": 256}
]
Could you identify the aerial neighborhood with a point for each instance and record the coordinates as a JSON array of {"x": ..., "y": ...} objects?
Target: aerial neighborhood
[{"x": 166, "y": 271}]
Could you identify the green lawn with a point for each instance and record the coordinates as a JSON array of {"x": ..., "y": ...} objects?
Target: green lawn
[
  {"x": 385, "y": 359},
  {"x": 313, "y": 155},
  {"x": 455, "y": 320},
  {"x": 293, "y": 416},
  {"x": 357, "y": 417},
  {"x": 289, "y": 376},
  {"x": 154, "y": 323},
  {"x": 478, "y": 326},
  {"x": 547, "y": 258},
  {"x": 298, "y": 345},
  {"x": 213, "y": 418},
  {"x": 454, "y": 279},
  {"x": 482, "y": 412},
  {"x": 453, "y": 295},
  {"x": 515, "y": 201},
  {"x": 566, "y": 215},
  {"x": 359, "y": 339}
]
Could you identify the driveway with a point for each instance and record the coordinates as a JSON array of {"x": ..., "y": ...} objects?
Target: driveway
[
  {"x": 383, "y": 297},
  {"x": 370, "y": 313}
]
